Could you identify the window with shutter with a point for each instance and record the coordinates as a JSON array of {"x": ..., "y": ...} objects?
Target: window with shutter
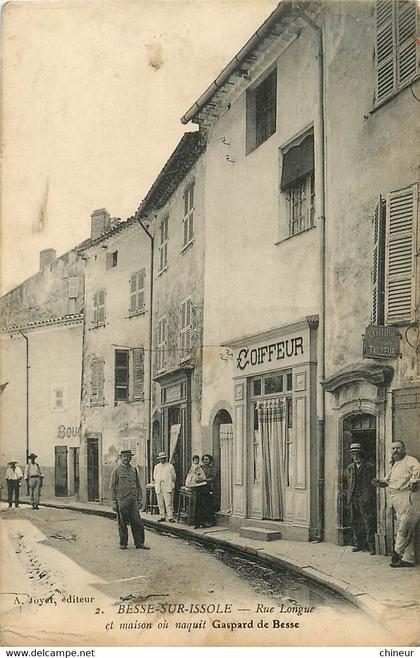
[
  {"x": 186, "y": 330},
  {"x": 121, "y": 374},
  {"x": 161, "y": 345},
  {"x": 163, "y": 246},
  {"x": 378, "y": 270},
  {"x": 188, "y": 223},
  {"x": 400, "y": 274},
  {"x": 97, "y": 381},
  {"x": 73, "y": 287},
  {"x": 138, "y": 373},
  {"x": 396, "y": 46},
  {"x": 137, "y": 283},
  {"x": 111, "y": 260},
  {"x": 99, "y": 308}
]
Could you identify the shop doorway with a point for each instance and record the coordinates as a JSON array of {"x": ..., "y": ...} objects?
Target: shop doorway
[
  {"x": 357, "y": 428},
  {"x": 93, "y": 469},
  {"x": 179, "y": 451},
  {"x": 223, "y": 460},
  {"x": 74, "y": 472},
  {"x": 61, "y": 470}
]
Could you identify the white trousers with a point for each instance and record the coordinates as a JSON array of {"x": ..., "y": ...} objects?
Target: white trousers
[
  {"x": 165, "y": 504},
  {"x": 407, "y": 517}
]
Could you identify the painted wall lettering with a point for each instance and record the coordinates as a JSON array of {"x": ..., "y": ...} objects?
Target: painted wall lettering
[
  {"x": 266, "y": 354},
  {"x": 64, "y": 432}
]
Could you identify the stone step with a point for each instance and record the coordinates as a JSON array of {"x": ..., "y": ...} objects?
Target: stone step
[{"x": 263, "y": 534}]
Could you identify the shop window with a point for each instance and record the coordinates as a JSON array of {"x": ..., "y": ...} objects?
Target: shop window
[
  {"x": 137, "y": 283},
  {"x": 188, "y": 221},
  {"x": 396, "y": 46},
  {"x": 97, "y": 381},
  {"x": 111, "y": 260},
  {"x": 186, "y": 330},
  {"x": 261, "y": 112},
  {"x": 163, "y": 244},
  {"x": 273, "y": 384},
  {"x": 394, "y": 257},
  {"x": 99, "y": 308},
  {"x": 161, "y": 345},
  {"x": 298, "y": 184},
  {"x": 256, "y": 387}
]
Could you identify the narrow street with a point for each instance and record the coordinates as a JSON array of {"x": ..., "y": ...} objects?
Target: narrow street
[{"x": 68, "y": 582}]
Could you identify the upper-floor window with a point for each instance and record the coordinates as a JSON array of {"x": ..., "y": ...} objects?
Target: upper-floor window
[
  {"x": 111, "y": 259},
  {"x": 97, "y": 381},
  {"x": 188, "y": 222},
  {"x": 161, "y": 344},
  {"x": 186, "y": 330},
  {"x": 298, "y": 184},
  {"x": 129, "y": 374},
  {"x": 137, "y": 282},
  {"x": 261, "y": 113},
  {"x": 394, "y": 257},
  {"x": 99, "y": 308},
  {"x": 396, "y": 46},
  {"x": 163, "y": 244},
  {"x": 59, "y": 398},
  {"x": 73, "y": 287}
]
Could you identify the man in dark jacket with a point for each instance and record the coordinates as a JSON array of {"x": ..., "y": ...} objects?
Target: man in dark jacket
[
  {"x": 126, "y": 500},
  {"x": 362, "y": 499}
]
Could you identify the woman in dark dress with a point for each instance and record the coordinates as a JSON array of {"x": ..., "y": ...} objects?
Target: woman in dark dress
[
  {"x": 208, "y": 493},
  {"x": 196, "y": 481}
]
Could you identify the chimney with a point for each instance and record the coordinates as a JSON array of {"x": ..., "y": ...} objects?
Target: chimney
[
  {"x": 46, "y": 256},
  {"x": 100, "y": 223}
]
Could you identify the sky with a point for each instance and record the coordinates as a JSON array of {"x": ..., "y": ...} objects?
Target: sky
[{"x": 92, "y": 95}]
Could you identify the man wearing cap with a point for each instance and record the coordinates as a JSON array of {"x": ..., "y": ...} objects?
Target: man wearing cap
[
  {"x": 13, "y": 478},
  {"x": 362, "y": 499},
  {"x": 126, "y": 500},
  {"x": 33, "y": 478},
  {"x": 403, "y": 486},
  {"x": 164, "y": 477}
]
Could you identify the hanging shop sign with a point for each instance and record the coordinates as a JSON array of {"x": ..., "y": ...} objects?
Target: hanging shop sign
[{"x": 381, "y": 342}]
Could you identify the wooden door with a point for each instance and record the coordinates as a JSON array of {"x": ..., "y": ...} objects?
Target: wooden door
[
  {"x": 93, "y": 469},
  {"x": 61, "y": 470}
]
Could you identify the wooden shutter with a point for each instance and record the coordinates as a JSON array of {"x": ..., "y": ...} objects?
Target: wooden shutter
[
  {"x": 121, "y": 374},
  {"x": 186, "y": 329},
  {"x": 378, "y": 271},
  {"x": 385, "y": 49},
  {"x": 97, "y": 381},
  {"x": 401, "y": 229},
  {"x": 101, "y": 307},
  {"x": 406, "y": 41},
  {"x": 138, "y": 373},
  {"x": 137, "y": 291},
  {"x": 73, "y": 287}
]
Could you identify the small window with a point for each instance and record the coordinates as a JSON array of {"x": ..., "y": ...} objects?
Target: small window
[
  {"x": 99, "y": 309},
  {"x": 59, "y": 398},
  {"x": 396, "y": 46},
  {"x": 273, "y": 384},
  {"x": 97, "y": 381},
  {"x": 188, "y": 222},
  {"x": 137, "y": 283},
  {"x": 73, "y": 287},
  {"x": 163, "y": 244},
  {"x": 298, "y": 184},
  {"x": 111, "y": 260},
  {"x": 261, "y": 112},
  {"x": 186, "y": 330},
  {"x": 161, "y": 345},
  {"x": 121, "y": 375},
  {"x": 256, "y": 387},
  {"x": 289, "y": 381}
]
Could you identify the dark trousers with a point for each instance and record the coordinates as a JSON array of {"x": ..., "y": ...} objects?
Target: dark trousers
[
  {"x": 13, "y": 487},
  {"x": 199, "y": 502},
  {"x": 128, "y": 513},
  {"x": 363, "y": 521}
]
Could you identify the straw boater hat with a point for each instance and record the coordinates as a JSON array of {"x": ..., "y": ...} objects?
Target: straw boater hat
[
  {"x": 13, "y": 461},
  {"x": 161, "y": 455},
  {"x": 356, "y": 447}
]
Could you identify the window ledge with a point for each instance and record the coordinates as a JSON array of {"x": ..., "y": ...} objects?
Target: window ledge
[
  {"x": 97, "y": 404},
  {"x": 136, "y": 313},
  {"x": 160, "y": 372},
  {"x": 186, "y": 246},
  {"x": 385, "y": 101},
  {"x": 134, "y": 400},
  {"x": 97, "y": 326},
  {"x": 186, "y": 359},
  {"x": 165, "y": 269},
  {"x": 296, "y": 235}
]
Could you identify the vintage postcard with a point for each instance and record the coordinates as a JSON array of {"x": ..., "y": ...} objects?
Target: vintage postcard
[{"x": 209, "y": 385}]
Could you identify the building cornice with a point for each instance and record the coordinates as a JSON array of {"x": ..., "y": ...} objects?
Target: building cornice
[
  {"x": 65, "y": 320},
  {"x": 310, "y": 321}
]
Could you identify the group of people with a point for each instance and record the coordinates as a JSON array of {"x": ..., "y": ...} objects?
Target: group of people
[
  {"x": 33, "y": 477},
  {"x": 403, "y": 486},
  {"x": 201, "y": 480}
]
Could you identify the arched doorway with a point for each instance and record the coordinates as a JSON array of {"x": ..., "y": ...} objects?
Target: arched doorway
[
  {"x": 223, "y": 460},
  {"x": 360, "y": 428}
]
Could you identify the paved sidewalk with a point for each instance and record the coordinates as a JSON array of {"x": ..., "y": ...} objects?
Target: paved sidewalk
[{"x": 367, "y": 581}]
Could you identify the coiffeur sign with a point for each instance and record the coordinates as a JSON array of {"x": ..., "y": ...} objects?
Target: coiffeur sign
[
  {"x": 381, "y": 342},
  {"x": 265, "y": 354}
]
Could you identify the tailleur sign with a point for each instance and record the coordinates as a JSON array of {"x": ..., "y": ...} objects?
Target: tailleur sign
[{"x": 381, "y": 342}]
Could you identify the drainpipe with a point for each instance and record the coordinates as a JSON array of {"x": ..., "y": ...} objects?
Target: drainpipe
[
  {"x": 149, "y": 452},
  {"x": 321, "y": 194},
  {"x": 27, "y": 401}
]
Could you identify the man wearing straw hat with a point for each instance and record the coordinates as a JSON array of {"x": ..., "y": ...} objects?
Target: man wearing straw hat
[
  {"x": 164, "y": 477},
  {"x": 362, "y": 500},
  {"x": 13, "y": 478},
  {"x": 33, "y": 477},
  {"x": 126, "y": 500}
]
